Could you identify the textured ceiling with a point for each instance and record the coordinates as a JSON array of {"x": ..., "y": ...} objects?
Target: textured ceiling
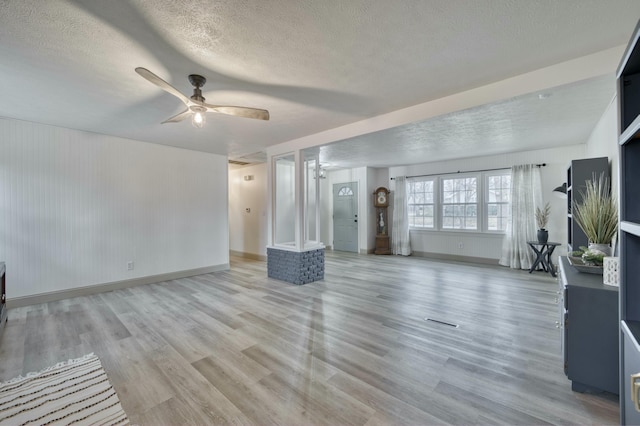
[
  {"x": 562, "y": 116},
  {"x": 315, "y": 65}
]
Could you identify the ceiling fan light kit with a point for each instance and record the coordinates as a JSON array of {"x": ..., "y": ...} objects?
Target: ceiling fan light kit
[
  {"x": 196, "y": 106},
  {"x": 198, "y": 118}
]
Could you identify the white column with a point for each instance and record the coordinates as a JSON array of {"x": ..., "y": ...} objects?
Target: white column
[{"x": 299, "y": 199}]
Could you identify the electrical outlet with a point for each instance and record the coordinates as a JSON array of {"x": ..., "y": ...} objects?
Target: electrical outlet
[
  {"x": 130, "y": 265},
  {"x": 460, "y": 245}
]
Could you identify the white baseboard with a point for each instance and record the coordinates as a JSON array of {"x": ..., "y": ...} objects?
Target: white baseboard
[
  {"x": 36, "y": 299},
  {"x": 456, "y": 258},
  {"x": 245, "y": 255}
]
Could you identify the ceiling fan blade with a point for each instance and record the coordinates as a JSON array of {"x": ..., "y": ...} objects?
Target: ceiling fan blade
[
  {"x": 151, "y": 77},
  {"x": 178, "y": 117},
  {"x": 259, "y": 114}
]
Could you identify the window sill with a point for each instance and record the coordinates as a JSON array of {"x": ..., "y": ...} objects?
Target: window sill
[{"x": 448, "y": 232}]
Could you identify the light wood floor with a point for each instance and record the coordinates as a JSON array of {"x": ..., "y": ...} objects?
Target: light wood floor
[{"x": 354, "y": 349}]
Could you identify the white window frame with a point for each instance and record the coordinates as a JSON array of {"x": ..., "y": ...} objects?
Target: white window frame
[
  {"x": 486, "y": 202},
  {"x": 482, "y": 201},
  {"x": 435, "y": 204},
  {"x": 477, "y": 203}
]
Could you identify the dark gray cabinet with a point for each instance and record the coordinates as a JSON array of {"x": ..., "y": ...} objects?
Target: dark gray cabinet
[
  {"x": 628, "y": 76},
  {"x": 577, "y": 174},
  {"x": 3, "y": 295},
  {"x": 589, "y": 322},
  {"x": 631, "y": 361}
]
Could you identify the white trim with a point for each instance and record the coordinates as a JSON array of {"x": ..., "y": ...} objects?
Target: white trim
[
  {"x": 456, "y": 258},
  {"x": 115, "y": 285},
  {"x": 630, "y": 227},
  {"x": 479, "y": 219},
  {"x": 481, "y": 203},
  {"x": 436, "y": 199},
  {"x": 298, "y": 191},
  {"x": 273, "y": 189},
  {"x": 460, "y": 232},
  {"x": 315, "y": 246},
  {"x": 485, "y": 197},
  {"x": 625, "y": 330}
]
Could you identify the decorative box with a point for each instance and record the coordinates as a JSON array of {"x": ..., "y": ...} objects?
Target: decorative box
[{"x": 610, "y": 274}]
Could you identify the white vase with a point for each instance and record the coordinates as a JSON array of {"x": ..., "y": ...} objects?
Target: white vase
[{"x": 605, "y": 248}]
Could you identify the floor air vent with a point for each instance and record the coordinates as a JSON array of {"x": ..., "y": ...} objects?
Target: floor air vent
[{"x": 442, "y": 322}]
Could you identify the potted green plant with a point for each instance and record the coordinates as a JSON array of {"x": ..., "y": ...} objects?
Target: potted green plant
[
  {"x": 597, "y": 214},
  {"x": 542, "y": 218},
  {"x": 590, "y": 257}
]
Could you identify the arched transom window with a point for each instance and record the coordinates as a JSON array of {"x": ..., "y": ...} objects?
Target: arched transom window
[{"x": 345, "y": 191}]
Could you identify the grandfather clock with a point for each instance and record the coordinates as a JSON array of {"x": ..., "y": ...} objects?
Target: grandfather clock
[{"x": 381, "y": 203}]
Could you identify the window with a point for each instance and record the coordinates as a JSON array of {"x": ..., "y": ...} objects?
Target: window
[
  {"x": 345, "y": 191},
  {"x": 460, "y": 203},
  {"x": 498, "y": 194},
  {"x": 472, "y": 202},
  {"x": 421, "y": 203},
  {"x": 284, "y": 210}
]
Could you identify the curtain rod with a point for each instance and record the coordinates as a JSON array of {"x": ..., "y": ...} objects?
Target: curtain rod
[{"x": 468, "y": 171}]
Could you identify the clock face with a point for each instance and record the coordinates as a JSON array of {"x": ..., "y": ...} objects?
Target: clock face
[{"x": 382, "y": 197}]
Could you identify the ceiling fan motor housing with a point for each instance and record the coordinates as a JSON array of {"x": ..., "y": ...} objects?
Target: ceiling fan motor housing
[{"x": 197, "y": 81}]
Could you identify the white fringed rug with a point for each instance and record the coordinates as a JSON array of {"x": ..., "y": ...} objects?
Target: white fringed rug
[{"x": 74, "y": 392}]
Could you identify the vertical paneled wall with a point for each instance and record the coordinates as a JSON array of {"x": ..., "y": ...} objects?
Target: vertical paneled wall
[{"x": 75, "y": 207}]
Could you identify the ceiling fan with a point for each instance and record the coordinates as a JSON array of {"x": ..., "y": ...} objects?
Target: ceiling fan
[{"x": 196, "y": 106}]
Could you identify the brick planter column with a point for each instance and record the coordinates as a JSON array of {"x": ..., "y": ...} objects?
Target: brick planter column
[{"x": 295, "y": 267}]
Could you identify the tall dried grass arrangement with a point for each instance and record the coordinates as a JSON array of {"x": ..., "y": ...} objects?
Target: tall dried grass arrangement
[
  {"x": 542, "y": 216},
  {"x": 597, "y": 215}
]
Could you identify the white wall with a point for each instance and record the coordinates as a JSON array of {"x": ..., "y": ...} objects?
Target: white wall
[
  {"x": 248, "y": 230},
  {"x": 76, "y": 206},
  {"x": 603, "y": 141},
  {"x": 488, "y": 246}
]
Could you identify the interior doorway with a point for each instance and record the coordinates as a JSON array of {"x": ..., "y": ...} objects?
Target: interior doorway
[{"x": 345, "y": 216}]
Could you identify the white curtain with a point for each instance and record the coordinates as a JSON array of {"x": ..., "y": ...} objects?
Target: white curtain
[
  {"x": 526, "y": 195},
  {"x": 400, "y": 243}
]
